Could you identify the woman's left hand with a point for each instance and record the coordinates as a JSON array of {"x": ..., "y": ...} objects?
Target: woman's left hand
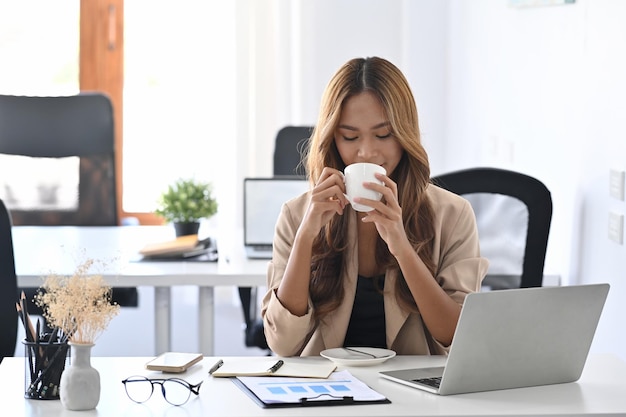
[{"x": 387, "y": 213}]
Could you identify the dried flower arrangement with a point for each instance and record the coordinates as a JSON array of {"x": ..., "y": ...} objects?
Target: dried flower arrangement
[
  {"x": 78, "y": 309},
  {"x": 79, "y": 305}
]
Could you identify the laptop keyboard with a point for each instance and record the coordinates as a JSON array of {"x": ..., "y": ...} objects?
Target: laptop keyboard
[
  {"x": 262, "y": 248},
  {"x": 432, "y": 382}
]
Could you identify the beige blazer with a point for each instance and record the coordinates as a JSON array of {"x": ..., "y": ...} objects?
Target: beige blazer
[{"x": 460, "y": 270}]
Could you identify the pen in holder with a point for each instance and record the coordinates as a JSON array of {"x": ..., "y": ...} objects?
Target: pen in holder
[{"x": 45, "y": 360}]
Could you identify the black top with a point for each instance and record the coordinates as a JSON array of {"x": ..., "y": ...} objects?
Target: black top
[{"x": 367, "y": 322}]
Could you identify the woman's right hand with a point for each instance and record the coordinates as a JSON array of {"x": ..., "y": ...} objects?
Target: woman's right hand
[{"x": 327, "y": 199}]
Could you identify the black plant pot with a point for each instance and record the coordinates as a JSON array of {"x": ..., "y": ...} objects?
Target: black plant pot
[{"x": 184, "y": 229}]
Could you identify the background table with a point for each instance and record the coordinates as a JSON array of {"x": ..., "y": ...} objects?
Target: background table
[
  {"x": 600, "y": 391},
  {"x": 41, "y": 250}
]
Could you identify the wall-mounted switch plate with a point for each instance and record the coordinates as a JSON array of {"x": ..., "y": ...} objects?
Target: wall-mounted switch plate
[
  {"x": 616, "y": 184},
  {"x": 616, "y": 227}
]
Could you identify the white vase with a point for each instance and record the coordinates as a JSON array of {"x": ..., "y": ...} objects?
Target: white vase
[{"x": 80, "y": 382}]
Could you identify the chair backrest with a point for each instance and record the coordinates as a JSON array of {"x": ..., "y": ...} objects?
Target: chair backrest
[
  {"x": 49, "y": 128},
  {"x": 8, "y": 287},
  {"x": 291, "y": 142},
  {"x": 47, "y": 131},
  {"x": 507, "y": 188}
]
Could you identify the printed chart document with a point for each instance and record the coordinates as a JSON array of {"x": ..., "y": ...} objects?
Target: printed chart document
[
  {"x": 340, "y": 388},
  {"x": 274, "y": 367}
]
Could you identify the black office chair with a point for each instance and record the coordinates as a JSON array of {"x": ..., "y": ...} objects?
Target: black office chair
[
  {"x": 8, "y": 287},
  {"x": 79, "y": 126},
  {"x": 531, "y": 206},
  {"x": 290, "y": 145}
]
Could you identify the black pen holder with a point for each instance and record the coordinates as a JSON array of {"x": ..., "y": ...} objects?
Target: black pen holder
[{"x": 45, "y": 362}]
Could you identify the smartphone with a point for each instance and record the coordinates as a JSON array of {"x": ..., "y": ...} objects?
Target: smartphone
[{"x": 174, "y": 362}]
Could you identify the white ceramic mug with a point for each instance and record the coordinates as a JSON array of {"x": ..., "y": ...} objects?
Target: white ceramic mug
[{"x": 355, "y": 175}]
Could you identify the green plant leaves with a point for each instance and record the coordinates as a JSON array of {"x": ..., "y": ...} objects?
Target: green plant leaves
[{"x": 187, "y": 200}]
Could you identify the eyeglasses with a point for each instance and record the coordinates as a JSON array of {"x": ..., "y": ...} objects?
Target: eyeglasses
[{"x": 176, "y": 391}]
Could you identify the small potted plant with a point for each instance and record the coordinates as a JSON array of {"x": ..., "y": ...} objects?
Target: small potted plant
[{"x": 185, "y": 203}]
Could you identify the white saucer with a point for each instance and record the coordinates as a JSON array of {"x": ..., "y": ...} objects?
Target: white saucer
[{"x": 346, "y": 357}]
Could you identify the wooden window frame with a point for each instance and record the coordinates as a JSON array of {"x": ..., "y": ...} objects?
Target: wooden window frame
[{"x": 102, "y": 69}]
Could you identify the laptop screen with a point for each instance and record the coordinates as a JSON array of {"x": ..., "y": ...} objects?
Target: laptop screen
[{"x": 263, "y": 199}]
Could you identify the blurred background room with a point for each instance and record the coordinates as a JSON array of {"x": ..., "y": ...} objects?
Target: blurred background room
[{"x": 201, "y": 87}]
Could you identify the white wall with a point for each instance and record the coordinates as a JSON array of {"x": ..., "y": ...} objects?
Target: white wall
[{"x": 539, "y": 90}]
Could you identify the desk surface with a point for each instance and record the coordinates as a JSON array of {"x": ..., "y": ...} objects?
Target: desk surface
[
  {"x": 40, "y": 250},
  {"x": 600, "y": 391}
]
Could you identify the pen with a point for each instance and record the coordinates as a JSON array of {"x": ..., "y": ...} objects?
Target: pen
[
  {"x": 276, "y": 366},
  {"x": 216, "y": 366}
]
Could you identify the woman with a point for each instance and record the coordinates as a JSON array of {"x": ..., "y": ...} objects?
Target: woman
[{"x": 395, "y": 277}]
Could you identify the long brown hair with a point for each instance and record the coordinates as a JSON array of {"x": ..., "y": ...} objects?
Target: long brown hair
[{"x": 412, "y": 175}]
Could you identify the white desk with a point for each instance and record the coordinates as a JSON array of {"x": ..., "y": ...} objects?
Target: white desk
[
  {"x": 600, "y": 391},
  {"x": 42, "y": 250}
]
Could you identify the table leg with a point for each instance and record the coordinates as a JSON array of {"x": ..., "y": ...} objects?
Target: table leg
[
  {"x": 205, "y": 320},
  {"x": 254, "y": 309},
  {"x": 162, "y": 319}
]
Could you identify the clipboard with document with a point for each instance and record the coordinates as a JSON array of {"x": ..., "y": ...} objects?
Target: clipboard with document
[{"x": 340, "y": 388}]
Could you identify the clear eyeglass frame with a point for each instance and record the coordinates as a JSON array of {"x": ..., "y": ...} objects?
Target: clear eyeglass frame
[{"x": 176, "y": 391}]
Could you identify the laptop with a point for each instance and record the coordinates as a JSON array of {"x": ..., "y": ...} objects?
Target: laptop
[
  {"x": 515, "y": 338},
  {"x": 263, "y": 199}
]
